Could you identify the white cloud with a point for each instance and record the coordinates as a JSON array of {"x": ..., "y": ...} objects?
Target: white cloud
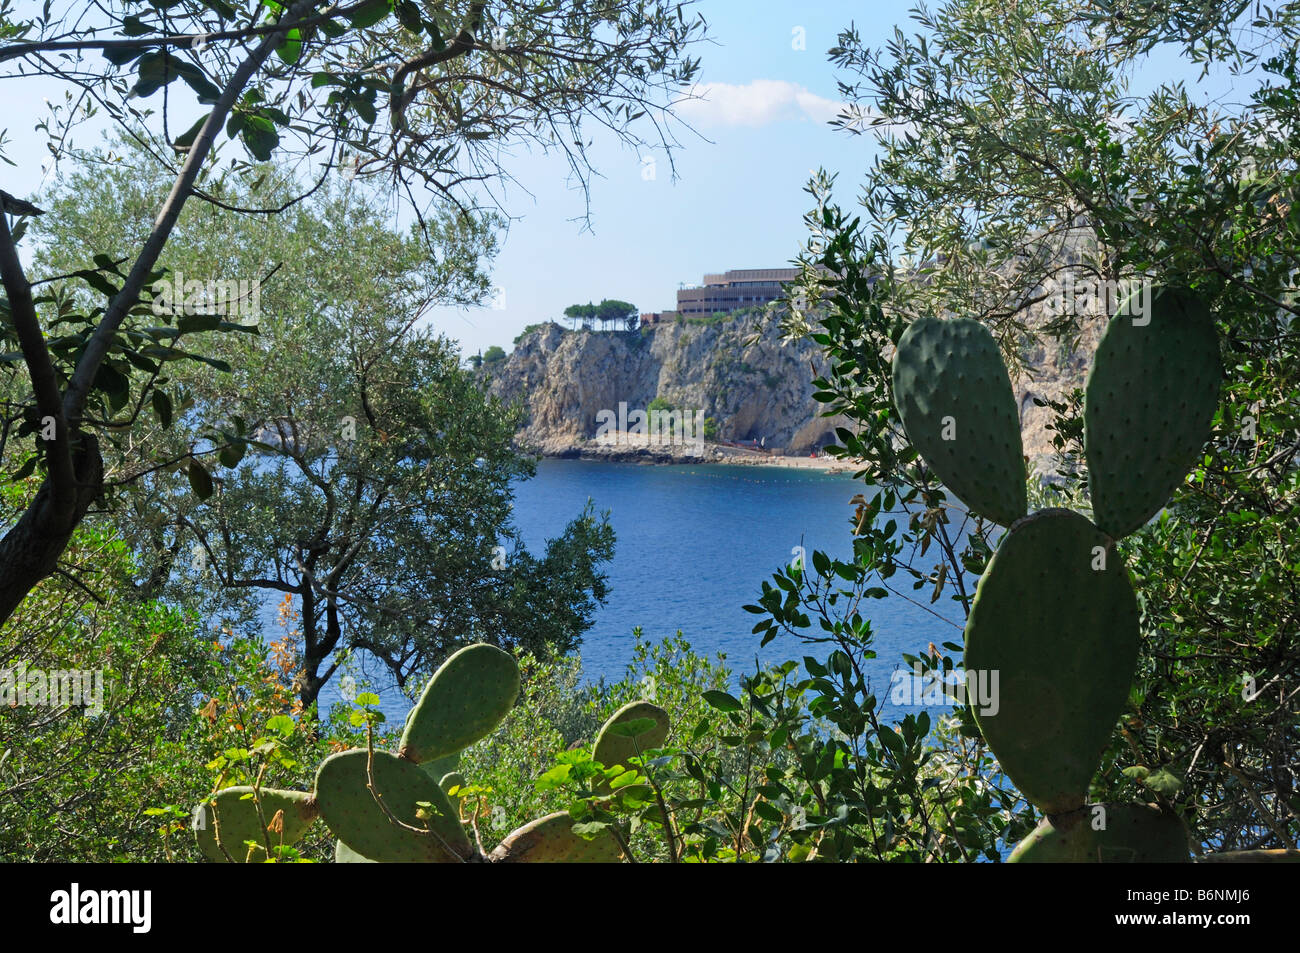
[{"x": 758, "y": 103}]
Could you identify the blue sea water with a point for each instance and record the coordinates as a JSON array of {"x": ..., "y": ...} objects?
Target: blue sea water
[{"x": 694, "y": 544}]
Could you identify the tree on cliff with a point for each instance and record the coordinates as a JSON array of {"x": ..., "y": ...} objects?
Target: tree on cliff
[
  {"x": 617, "y": 313},
  {"x": 424, "y": 96},
  {"x": 582, "y": 314},
  {"x": 608, "y": 312}
]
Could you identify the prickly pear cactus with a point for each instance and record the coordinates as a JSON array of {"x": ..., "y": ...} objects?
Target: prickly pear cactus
[
  {"x": 1107, "y": 834},
  {"x": 1055, "y": 619},
  {"x": 465, "y": 700},
  {"x": 450, "y": 781},
  {"x": 613, "y": 748},
  {"x": 440, "y": 767},
  {"x": 351, "y": 811},
  {"x": 343, "y": 854},
  {"x": 233, "y": 813},
  {"x": 955, "y": 399},
  {"x": 1149, "y": 404},
  {"x": 551, "y": 840},
  {"x": 393, "y": 808}
]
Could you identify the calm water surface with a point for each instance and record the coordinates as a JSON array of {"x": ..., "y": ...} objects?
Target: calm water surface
[{"x": 694, "y": 544}]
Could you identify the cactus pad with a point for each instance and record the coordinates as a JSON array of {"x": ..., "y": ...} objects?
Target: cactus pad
[
  {"x": 465, "y": 700},
  {"x": 550, "y": 840},
  {"x": 1055, "y": 618},
  {"x": 440, "y": 767},
  {"x": 613, "y": 749},
  {"x": 237, "y": 819},
  {"x": 452, "y": 779},
  {"x": 343, "y": 854},
  {"x": 958, "y": 408},
  {"x": 1150, "y": 401},
  {"x": 353, "y": 816},
  {"x": 1133, "y": 834}
]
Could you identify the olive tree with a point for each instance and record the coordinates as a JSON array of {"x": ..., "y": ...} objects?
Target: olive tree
[
  {"x": 427, "y": 97},
  {"x": 340, "y": 456}
]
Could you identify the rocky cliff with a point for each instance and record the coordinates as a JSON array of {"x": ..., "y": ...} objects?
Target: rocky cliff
[{"x": 736, "y": 371}]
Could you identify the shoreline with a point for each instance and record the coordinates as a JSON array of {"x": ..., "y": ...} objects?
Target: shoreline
[{"x": 647, "y": 454}]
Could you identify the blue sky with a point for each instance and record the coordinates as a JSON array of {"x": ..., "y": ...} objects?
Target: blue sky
[{"x": 738, "y": 200}]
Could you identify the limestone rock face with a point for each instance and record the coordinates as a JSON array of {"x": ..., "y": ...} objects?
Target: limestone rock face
[
  {"x": 739, "y": 374},
  {"x": 736, "y": 371},
  {"x": 1051, "y": 372}
]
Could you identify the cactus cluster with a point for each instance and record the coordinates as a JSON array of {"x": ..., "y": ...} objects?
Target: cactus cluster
[
  {"x": 1054, "y": 612},
  {"x": 403, "y": 808}
]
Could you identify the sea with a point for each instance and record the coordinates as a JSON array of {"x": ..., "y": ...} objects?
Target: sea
[{"x": 694, "y": 544}]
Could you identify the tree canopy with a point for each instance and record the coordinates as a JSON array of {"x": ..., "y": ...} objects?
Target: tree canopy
[
  {"x": 425, "y": 97},
  {"x": 620, "y": 314},
  {"x": 331, "y": 456}
]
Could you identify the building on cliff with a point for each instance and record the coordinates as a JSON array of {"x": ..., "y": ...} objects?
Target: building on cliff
[{"x": 733, "y": 290}]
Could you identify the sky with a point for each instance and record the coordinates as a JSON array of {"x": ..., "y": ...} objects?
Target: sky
[
  {"x": 769, "y": 90},
  {"x": 738, "y": 201},
  {"x": 761, "y": 128}
]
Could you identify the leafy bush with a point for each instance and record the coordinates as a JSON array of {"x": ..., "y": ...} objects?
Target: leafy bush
[{"x": 556, "y": 713}]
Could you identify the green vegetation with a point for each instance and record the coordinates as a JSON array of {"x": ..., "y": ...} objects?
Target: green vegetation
[
  {"x": 167, "y": 468},
  {"x": 490, "y": 358},
  {"x": 419, "y": 818},
  {"x": 529, "y": 330},
  {"x": 332, "y": 451},
  {"x": 978, "y": 198},
  {"x": 681, "y": 420},
  {"x": 620, "y": 314},
  {"x": 258, "y": 85}
]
